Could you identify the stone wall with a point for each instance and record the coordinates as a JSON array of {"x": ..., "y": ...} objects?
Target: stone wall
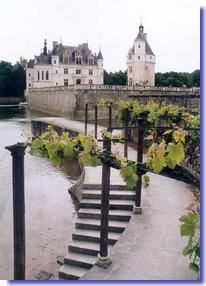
[
  {"x": 60, "y": 102},
  {"x": 70, "y": 101},
  {"x": 192, "y": 157}
]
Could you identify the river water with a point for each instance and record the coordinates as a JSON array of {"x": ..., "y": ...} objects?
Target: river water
[{"x": 49, "y": 209}]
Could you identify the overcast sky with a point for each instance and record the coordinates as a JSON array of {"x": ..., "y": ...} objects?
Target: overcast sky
[{"x": 172, "y": 26}]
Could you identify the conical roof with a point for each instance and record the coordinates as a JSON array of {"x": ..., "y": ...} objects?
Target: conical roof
[
  {"x": 100, "y": 57},
  {"x": 142, "y": 37}
]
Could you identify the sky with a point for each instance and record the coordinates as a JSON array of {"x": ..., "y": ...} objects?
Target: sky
[{"x": 172, "y": 27}]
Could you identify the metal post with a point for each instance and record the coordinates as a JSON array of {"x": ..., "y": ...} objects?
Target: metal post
[
  {"x": 103, "y": 257},
  {"x": 110, "y": 116},
  {"x": 17, "y": 153},
  {"x": 137, "y": 207},
  {"x": 126, "y": 132},
  {"x": 86, "y": 118},
  {"x": 96, "y": 118}
]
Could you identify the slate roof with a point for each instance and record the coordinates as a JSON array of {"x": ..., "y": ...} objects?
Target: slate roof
[
  {"x": 100, "y": 57},
  {"x": 141, "y": 36},
  {"x": 30, "y": 64},
  {"x": 68, "y": 51},
  {"x": 43, "y": 59},
  {"x": 65, "y": 51}
]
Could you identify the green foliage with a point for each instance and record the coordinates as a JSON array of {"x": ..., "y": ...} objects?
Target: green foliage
[
  {"x": 174, "y": 79},
  {"x": 160, "y": 155},
  {"x": 190, "y": 228},
  {"x": 146, "y": 180},
  {"x": 128, "y": 173},
  {"x": 153, "y": 112},
  {"x": 178, "y": 79},
  {"x": 175, "y": 154},
  {"x": 12, "y": 79},
  {"x": 116, "y": 78}
]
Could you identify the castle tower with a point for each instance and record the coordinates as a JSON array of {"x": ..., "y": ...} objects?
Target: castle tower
[
  {"x": 100, "y": 67},
  {"x": 141, "y": 62}
]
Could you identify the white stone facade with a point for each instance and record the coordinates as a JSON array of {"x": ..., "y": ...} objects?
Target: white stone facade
[
  {"x": 65, "y": 65},
  {"x": 141, "y": 62}
]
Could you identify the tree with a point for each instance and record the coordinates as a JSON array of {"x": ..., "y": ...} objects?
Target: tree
[
  {"x": 178, "y": 79},
  {"x": 12, "y": 79},
  {"x": 116, "y": 78}
]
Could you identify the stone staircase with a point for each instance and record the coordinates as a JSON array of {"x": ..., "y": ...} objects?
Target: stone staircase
[{"x": 85, "y": 244}]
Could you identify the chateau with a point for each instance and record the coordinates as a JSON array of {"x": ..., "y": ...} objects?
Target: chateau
[
  {"x": 141, "y": 62},
  {"x": 65, "y": 65},
  {"x": 69, "y": 65}
]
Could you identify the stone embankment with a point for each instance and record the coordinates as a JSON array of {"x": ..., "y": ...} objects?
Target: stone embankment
[{"x": 70, "y": 101}]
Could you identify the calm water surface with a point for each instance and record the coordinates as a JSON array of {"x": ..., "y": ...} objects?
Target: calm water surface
[{"x": 49, "y": 209}]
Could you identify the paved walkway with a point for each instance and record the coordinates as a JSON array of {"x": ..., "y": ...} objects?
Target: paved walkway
[{"x": 151, "y": 246}]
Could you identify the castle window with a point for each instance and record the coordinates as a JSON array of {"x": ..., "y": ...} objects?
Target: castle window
[
  {"x": 130, "y": 56},
  {"x": 65, "y": 82},
  {"x": 130, "y": 81},
  {"x": 130, "y": 69},
  {"x": 78, "y": 71},
  {"x": 29, "y": 74},
  {"x": 78, "y": 81},
  {"x": 56, "y": 83},
  {"x": 139, "y": 46},
  {"x": 78, "y": 61},
  {"x": 150, "y": 57},
  {"x": 38, "y": 75},
  {"x": 42, "y": 75},
  {"x": 47, "y": 75},
  {"x": 138, "y": 57},
  {"x": 91, "y": 72},
  {"x": 29, "y": 84},
  {"x": 56, "y": 71},
  {"x": 90, "y": 81},
  {"x": 55, "y": 61},
  {"x": 65, "y": 71}
]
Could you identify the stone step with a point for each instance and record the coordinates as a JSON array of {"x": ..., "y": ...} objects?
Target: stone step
[
  {"x": 113, "y": 204},
  {"x": 85, "y": 247},
  {"x": 115, "y": 195},
  {"x": 94, "y": 224},
  {"x": 81, "y": 260},
  {"x": 94, "y": 236},
  {"x": 99, "y": 187},
  {"x": 120, "y": 215},
  {"x": 71, "y": 272}
]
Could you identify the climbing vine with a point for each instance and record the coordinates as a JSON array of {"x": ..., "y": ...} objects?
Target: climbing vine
[
  {"x": 190, "y": 227},
  {"x": 56, "y": 147},
  {"x": 155, "y": 113}
]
